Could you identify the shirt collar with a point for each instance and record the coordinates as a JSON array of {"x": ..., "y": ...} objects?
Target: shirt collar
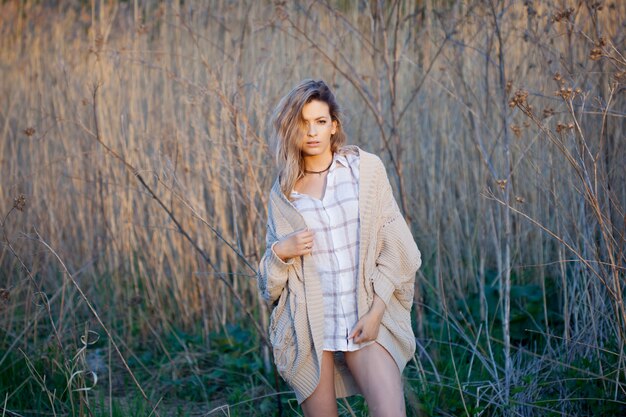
[{"x": 338, "y": 158}]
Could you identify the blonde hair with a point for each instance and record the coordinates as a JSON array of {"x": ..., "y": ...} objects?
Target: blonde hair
[{"x": 287, "y": 131}]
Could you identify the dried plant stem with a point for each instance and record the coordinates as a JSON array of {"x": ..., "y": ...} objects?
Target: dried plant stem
[
  {"x": 96, "y": 316},
  {"x": 261, "y": 332}
]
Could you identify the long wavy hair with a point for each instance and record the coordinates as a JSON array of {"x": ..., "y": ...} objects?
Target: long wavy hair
[{"x": 288, "y": 130}]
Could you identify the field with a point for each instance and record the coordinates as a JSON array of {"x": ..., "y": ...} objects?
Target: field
[{"x": 135, "y": 169}]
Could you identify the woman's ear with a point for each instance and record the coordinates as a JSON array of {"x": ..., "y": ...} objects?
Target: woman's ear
[{"x": 334, "y": 130}]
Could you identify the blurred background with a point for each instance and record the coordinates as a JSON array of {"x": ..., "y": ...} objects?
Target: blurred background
[{"x": 135, "y": 171}]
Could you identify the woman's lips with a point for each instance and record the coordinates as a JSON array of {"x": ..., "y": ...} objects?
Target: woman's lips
[{"x": 314, "y": 143}]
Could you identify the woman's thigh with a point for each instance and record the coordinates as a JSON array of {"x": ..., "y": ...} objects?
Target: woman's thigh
[
  {"x": 323, "y": 401},
  {"x": 379, "y": 378}
]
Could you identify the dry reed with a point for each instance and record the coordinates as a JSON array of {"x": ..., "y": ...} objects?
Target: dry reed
[{"x": 156, "y": 198}]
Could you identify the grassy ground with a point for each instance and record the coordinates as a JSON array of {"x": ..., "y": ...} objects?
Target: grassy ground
[{"x": 184, "y": 375}]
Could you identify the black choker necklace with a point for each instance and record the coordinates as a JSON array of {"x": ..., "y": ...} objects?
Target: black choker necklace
[{"x": 320, "y": 172}]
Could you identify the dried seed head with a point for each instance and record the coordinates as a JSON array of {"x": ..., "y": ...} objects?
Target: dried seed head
[
  {"x": 565, "y": 93},
  {"x": 20, "y": 202},
  {"x": 595, "y": 54},
  {"x": 548, "y": 112},
  {"x": 562, "y": 15},
  {"x": 561, "y": 127},
  {"x": 501, "y": 183},
  {"x": 509, "y": 85},
  {"x": 557, "y": 77},
  {"x": 141, "y": 28},
  {"x": 519, "y": 99},
  {"x": 281, "y": 13},
  {"x": 516, "y": 130},
  {"x": 596, "y": 6},
  {"x": 29, "y": 131},
  {"x": 520, "y": 199}
]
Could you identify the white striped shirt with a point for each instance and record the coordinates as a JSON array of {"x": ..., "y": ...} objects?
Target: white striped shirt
[{"x": 335, "y": 221}]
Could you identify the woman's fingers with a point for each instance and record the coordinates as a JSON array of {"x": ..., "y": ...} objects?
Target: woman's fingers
[
  {"x": 307, "y": 235},
  {"x": 304, "y": 242},
  {"x": 357, "y": 332},
  {"x": 365, "y": 330},
  {"x": 295, "y": 244}
]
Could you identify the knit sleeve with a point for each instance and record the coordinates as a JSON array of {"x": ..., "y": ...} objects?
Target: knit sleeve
[
  {"x": 273, "y": 271},
  {"x": 398, "y": 256}
]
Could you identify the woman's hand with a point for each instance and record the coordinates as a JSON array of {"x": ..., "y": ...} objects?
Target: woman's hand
[
  {"x": 366, "y": 329},
  {"x": 295, "y": 244}
]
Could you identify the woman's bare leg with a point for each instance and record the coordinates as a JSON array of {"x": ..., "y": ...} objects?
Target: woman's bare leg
[
  {"x": 323, "y": 401},
  {"x": 379, "y": 378}
]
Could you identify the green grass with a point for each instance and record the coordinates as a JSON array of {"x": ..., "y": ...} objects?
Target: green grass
[{"x": 186, "y": 374}]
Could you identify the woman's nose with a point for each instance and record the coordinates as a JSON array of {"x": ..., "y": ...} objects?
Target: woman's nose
[{"x": 311, "y": 131}]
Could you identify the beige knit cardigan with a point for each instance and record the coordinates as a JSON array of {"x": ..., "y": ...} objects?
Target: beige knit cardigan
[{"x": 388, "y": 260}]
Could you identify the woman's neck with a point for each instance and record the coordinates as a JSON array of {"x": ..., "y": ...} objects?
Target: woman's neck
[{"x": 318, "y": 162}]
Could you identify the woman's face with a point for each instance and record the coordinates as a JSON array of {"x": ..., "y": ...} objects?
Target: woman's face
[{"x": 318, "y": 127}]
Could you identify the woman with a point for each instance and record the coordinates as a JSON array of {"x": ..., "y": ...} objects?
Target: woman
[{"x": 339, "y": 265}]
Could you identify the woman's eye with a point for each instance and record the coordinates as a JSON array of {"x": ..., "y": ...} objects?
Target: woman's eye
[{"x": 323, "y": 122}]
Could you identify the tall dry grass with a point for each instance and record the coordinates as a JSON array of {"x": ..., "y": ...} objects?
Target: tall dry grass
[{"x": 137, "y": 133}]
